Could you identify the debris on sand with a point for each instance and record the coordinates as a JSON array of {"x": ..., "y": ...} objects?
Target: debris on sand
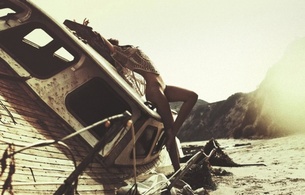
[{"x": 200, "y": 173}]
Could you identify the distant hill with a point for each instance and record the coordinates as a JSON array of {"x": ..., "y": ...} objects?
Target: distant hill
[
  {"x": 200, "y": 103},
  {"x": 275, "y": 109}
]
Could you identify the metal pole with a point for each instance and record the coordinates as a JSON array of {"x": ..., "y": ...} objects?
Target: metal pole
[
  {"x": 80, "y": 168},
  {"x": 84, "y": 164}
]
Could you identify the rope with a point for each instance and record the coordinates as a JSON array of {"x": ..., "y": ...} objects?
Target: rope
[
  {"x": 133, "y": 151},
  {"x": 134, "y": 188}
]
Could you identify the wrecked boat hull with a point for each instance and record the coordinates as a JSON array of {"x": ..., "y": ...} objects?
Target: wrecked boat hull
[{"x": 56, "y": 87}]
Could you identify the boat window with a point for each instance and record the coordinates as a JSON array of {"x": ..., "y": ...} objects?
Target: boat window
[
  {"x": 39, "y": 51},
  {"x": 6, "y": 11},
  {"x": 64, "y": 54},
  {"x": 37, "y": 38},
  {"x": 94, "y": 101},
  {"x": 145, "y": 141}
]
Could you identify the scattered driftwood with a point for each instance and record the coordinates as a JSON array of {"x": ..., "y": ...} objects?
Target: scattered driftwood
[
  {"x": 220, "y": 158},
  {"x": 200, "y": 176},
  {"x": 200, "y": 173},
  {"x": 245, "y": 144}
]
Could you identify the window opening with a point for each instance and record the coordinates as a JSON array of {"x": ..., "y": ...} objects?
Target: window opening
[
  {"x": 63, "y": 54},
  {"x": 6, "y": 11},
  {"x": 145, "y": 141},
  {"x": 40, "y": 52},
  {"x": 94, "y": 101},
  {"x": 37, "y": 38}
]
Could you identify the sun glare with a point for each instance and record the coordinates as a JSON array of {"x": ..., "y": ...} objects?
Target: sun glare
[{"x": 285, "y": 84}]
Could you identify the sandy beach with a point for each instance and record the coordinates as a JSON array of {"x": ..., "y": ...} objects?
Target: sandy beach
[{"x": 284, "y": 172}]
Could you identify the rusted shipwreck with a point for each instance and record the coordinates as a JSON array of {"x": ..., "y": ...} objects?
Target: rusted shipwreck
[{"x": 54, "y": 84}]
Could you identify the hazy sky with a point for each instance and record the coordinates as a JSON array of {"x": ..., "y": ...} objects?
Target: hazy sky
[{"x": 214, "y": 47}]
